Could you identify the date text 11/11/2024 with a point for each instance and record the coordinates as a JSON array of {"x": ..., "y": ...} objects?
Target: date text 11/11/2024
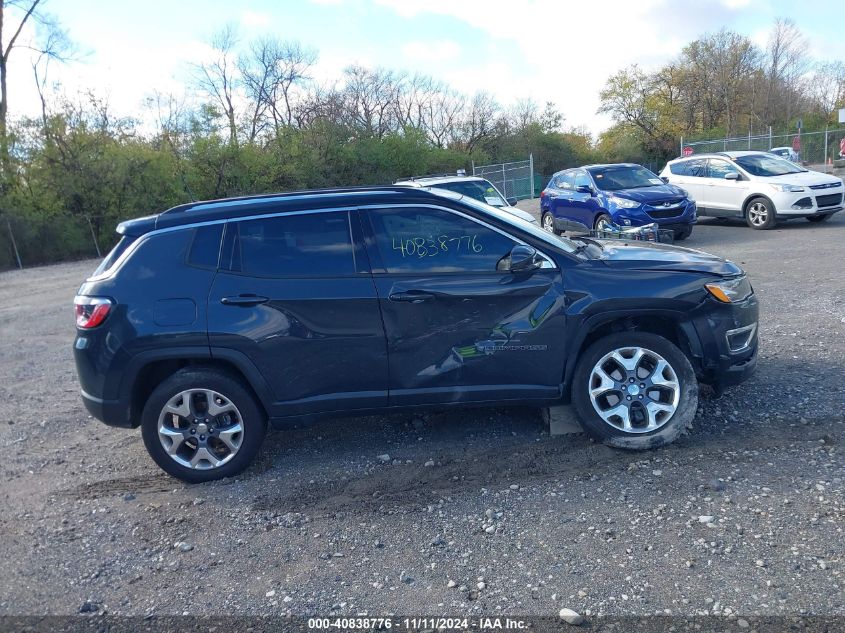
[
  {"x": 419, "y": 623},
  {"x": 433, "y": 246}
]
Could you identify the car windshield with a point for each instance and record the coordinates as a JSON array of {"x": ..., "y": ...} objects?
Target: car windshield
[
  {"x": 558, "y": 241},
  {"x": 763, "y": 165},
  {"x": 623, "y": 177},
  {"x": 480, "y": 190}
]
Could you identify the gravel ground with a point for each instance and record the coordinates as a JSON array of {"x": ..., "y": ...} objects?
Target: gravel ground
[{"x": 473, "y": 513}]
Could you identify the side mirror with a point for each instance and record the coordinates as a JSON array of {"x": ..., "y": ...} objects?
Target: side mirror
[
  {"x": 584, "y": 189},
  {"x": 732, "y": 175},
  {"x": 665, "y": 179},
  {"x": 524, "y": 259},
  {"x": 512, "y": 201},
  {"x": 571, "y": 226}
]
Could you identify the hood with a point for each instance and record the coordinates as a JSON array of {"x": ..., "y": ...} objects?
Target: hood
[
  {"x": 651, "y": 195},
  {"x": 524, "y": 215},
  {"x": 654, "y": 256},
  {"x": 805, "y": 178}
]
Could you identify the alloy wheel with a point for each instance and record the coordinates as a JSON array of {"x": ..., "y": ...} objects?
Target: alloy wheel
[
  {"x": 758, "y": 214},
  {"x": 634, "y": 390},
  {"x": 549, "y": 223},
  {"x": 200, "y": 429}
]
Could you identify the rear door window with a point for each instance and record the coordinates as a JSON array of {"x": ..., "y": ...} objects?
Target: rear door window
[{"x": 315, "y": 244}]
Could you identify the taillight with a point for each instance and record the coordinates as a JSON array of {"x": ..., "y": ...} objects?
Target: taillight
[{"x": 91, "y": 311}]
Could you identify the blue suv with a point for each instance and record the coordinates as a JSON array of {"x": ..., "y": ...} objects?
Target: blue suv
[
  {"x": 625, "y": 194},
  {"x": 213, "y": 319}
]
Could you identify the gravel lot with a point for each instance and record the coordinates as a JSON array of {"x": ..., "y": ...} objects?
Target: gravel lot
[{"x": 742, "y": 517}]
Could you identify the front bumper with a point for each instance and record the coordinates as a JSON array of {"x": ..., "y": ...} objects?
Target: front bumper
[
  {"x": 677, "y": 218},
  {"x": 809, "y": 202},
  {"x": 728, "y": 336}
]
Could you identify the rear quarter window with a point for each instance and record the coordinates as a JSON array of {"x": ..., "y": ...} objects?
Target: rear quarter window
[{"x": 110, "y": 260}]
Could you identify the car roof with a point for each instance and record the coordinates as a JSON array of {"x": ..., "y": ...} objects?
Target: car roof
[
  {"x": 727, "y": 154},
  {"x": 431, "y": 181},
  {"x": 243, "y": 206}
]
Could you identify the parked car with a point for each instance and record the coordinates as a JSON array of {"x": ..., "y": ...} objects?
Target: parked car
[
  {"x": 474, "y": 187},
  {"x": 625, "y": 194},
  {"x": 210, "y": 319},
  {"x": 788, "y": 153},
  {"x": 756, "y": 186}
]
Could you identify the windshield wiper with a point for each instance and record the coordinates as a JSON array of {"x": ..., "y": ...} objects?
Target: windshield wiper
[{"x": 586, "y": 242}]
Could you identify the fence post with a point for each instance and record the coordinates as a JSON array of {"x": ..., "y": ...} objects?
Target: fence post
[
  {"x": 504, "y": 182},
  {"x": 473, "y": 168},
  {"x": 681, "y": 153},
  {"x": 93, "y": 236},
  {"x": 14, "y": 244},
  {"x": 824, "y": 159},
  {"x": 770, "y": 137},
  {"x": 749, "y": 138},
  {"x": 531, "y": 168}
]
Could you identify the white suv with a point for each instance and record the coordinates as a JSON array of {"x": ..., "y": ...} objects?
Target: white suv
[
  {"x": 757, "y": 186},
  {"x": 474, "y": 187}
]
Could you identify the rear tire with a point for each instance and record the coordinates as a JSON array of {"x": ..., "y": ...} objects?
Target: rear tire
[
  {"x": 548, "y": 223},
  {"x": 659, "y": 404},
  {"x": 760, "y": 214},
  {"x": 197, "y": 442},
  {"x": 819, "y": 218}
]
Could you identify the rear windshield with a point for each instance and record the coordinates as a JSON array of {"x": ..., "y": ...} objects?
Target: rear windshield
[
  {"x": 480, "y": 190},
  {"x": 763, "y": 165},
  {"x": 616, "y": 178},
  {"x": 111, "y": 259}
]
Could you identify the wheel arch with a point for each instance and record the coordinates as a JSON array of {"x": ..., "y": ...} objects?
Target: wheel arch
[
  {"x": 754, "y": 196},
  {"x": 668, "y": 324},
  {"x": 151, "y": 369}
]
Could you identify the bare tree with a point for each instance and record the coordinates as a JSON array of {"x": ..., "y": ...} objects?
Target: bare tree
[
  {"x": 219, "y": 78},
  {"x": 787, "y": 63},
  {"x": 370, "y": 97},
  {"x": 54, "y": 45},
  {"x": 827, "y": 88},
  {"x": 480, "y": 120},
  {"x": 271, "y": 74}
]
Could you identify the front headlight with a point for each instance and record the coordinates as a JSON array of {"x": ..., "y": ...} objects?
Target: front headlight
[
  {"x": 730, "y": 290},
  {"x": 787, "y": 188},
  {"x": 623, "y": 203}
]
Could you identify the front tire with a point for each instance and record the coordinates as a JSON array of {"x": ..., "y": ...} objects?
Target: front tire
[
  {"x": 819, "y": 218},
  {"x": 603, "y": 222},
  {"x": 683, "y": 234},
  {"x": 760, "y": 214},
  {"x": 634, "y": 390},
  {"x": 202, "y": 424}
]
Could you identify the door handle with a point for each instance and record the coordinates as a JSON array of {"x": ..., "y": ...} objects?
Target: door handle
[
  {"x": 412, "y": 296},
  {"x": 244, "y": 300}
]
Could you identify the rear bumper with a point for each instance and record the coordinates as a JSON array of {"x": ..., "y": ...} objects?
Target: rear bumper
[{"x": 110, "y": 412}]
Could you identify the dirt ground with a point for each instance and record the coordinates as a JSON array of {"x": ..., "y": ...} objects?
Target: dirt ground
[{"x": 743, "y": 517}]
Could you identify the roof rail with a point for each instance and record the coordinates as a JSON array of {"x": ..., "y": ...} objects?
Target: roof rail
[
  {"x": 200, "y": 204},
  {"x": 456, "y": 174}
]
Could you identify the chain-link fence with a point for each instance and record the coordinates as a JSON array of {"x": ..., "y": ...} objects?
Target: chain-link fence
[
  {"x": 817, "y": 150},
  {"x": 514, "y": 180},
  {"x": 31, "y": 241}
]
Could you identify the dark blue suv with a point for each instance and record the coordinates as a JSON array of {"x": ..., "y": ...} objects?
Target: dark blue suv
[
  {"x": 212, "y": 319},
  {"x": 624, "y": 194}
]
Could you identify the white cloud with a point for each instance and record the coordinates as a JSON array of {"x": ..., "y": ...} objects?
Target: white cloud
[
  {"x": 735, "y": 4},
  {"x": 568, "y": 55},
  {"x": 432, "y": 51},
  {"x": 254, "y": 19}
]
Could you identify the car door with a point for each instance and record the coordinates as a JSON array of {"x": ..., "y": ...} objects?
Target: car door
[
  {"x": 724, "y": 195},
  {"x": 689, "y": 175},
  {"x": 584, "y": 207},
  {"x": 294, "y": 295},
  {"x": 561, "y": 197},
  {"x": 460, "y": 326}
]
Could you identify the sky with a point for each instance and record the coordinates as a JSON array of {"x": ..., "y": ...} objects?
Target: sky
[{"x": 546, "y": 50}]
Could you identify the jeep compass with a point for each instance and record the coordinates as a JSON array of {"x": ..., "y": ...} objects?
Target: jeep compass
[{"x": 213, "y": 319}]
